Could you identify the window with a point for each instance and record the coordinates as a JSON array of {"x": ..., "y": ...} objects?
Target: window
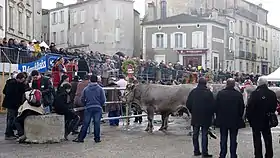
[
  {"x": 54, "y": 37},
  {"x": 266, "y": 35},
  {"x": 95, "y": 11},
  {"x": 62, "y": 16},
  {"x": 75, "y": 39},
  {"x": 159, "y": 38},
  {"x": 20, "y": 21},
  {"x": 247, "y": 29},
  {"x": 253, "y": 31},
  {"x": 247, "y": 67},
  {"x": 118, "y": 12},
  {"x": 54, "y": 18},
  {"x": 178, "y": 40},
  {"x": 215, "y": 63},
  {"x": 83, "y": 14},
  {"x": 266, "y": 54},
  {"x": 253, "y": 48},
  {"x": 28, "y": 22},
  {"x": 241, "y": 44},
  {"x": 11, "y": 17},
  {"x": 241, "y": 27},
  {"x": 1, "y": 17},
  {"x": 231, "y": 26},
  {"x": 231, "y": 44},
  {"x": 197, "y": 39},
  {"x": 262, "y": 52},
  {"x": 258, "y": 69},
  {"x": 247, "y": 46},
  {"x": 117, "y": 35},
  {"x": 253, "y": 67},
  {"x": 75, "y": 20},
  {"x": 259, "y": 32},
  {"x": 262, "y": 35},
  {"x": 240, "y": 66},
  {"x": 62, "y": 36},
  {"x": 95, "y": 35},
  {"x": 82, "y": 37}
]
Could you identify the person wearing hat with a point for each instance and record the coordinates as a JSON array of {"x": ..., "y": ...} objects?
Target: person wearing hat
[
  {"x": 114, "y": 108},
  {"x": 63, "y": 105}
]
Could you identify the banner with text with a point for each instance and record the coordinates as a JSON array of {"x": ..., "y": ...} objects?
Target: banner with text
[{"x": 40, "y": 65}]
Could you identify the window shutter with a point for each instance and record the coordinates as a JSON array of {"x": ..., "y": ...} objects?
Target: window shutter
[
  {"x": 75, "y": 39},
  {"x": 201, "y": 39},
  {"x": 154, "y": 41},
  {"x": 117, "y": 35},
  {"x": 165, "y": 40},
  {"x": 184, "y": 40},
  {"x": 194, "y": 40},
  {"x": 95, "y": 35},
  {"x": 172, "y": 40},
  {"x": 83, "y": 37}
]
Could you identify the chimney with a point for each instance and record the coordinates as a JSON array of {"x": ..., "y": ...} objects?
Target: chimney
[
  {"x": 215, "y": 14},
  {"x": 151, "y": 11},
  {"x": 163, "y": 9},
  {"x": 261, "y": 5},
  {"x": 59, "y": 4}
]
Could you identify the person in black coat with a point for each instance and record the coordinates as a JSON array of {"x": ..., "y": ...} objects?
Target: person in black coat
[
  {"x": 201, "y": 106},
  {"x": 62, "y": 104},
  {"x": 14, "y": 97},
  {"x": 229, "y": 117},
  {"x": 262, "y": 102}
]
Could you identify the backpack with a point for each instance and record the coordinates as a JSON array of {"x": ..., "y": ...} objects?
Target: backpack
[{"x": 34, "y": 98}]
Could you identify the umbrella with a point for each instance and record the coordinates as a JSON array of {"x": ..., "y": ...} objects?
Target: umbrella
[
  {"x": 120, "y": 54},
  {"x": 43, "y": 44}
]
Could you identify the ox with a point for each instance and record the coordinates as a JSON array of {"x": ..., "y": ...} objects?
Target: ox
[
  {"x": 249, "y": 89},
  {"x": 162, "y": 99},
  {"x": 159, "y": 99}
]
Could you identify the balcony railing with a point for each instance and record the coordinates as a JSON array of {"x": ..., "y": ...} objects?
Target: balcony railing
[
  {"x": 254, "y": 56},
  {"x": 248, "y": 56},
  {"x": 242, "y": 54}
]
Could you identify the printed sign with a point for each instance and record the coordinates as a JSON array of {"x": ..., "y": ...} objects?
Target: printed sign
[{"x": 40, "y": 65}]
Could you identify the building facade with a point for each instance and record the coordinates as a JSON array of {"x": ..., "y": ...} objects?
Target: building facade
[
  {"x": 187, "y": 39},
  {"x": 45, "y": 26},
  {"x": 248, "y": 46},
  {"x": 59, "y": 25},
  {"x": 106, "y": 26},
  {"x": 137, "y": 34},
  {"x": 2, "y": 18},
  {"x": 23, "y": 19},
  {"x": 274, "y": 41}
]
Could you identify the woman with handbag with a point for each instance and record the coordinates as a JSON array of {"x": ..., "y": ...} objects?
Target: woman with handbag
[{"x": 261, "y": 116}]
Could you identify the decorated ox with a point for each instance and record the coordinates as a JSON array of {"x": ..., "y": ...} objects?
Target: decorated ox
[{"x": 159, "y": 99}]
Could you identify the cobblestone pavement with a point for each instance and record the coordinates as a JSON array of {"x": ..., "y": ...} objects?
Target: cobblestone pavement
[{"x": 119, "y": 142}]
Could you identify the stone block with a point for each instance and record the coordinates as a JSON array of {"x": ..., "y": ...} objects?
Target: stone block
[{"x": 44, "y": 128}]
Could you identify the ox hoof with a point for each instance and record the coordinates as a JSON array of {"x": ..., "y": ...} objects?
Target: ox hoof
[
  {"x": 161, "y": 129},
  {"x": 150, "y": 131},
  {"x": 147, "y": 129}
]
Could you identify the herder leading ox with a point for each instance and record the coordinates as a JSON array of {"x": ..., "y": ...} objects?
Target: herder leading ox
[{"x": 160, "y": 99}]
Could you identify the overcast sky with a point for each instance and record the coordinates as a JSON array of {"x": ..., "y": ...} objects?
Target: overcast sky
[{"x": 271, "y": 5}]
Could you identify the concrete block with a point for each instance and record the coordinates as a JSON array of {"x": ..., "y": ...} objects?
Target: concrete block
[{"x": 44, "y": 128}]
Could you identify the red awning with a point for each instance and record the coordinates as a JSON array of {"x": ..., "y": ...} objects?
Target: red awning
[{"x": 192, "y": 51}]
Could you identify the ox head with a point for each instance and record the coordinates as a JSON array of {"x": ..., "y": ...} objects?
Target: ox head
[{"x": 129, "y": 93}]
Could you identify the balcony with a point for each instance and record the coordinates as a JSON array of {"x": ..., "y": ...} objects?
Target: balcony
[{"x": 248, "y": 56}]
